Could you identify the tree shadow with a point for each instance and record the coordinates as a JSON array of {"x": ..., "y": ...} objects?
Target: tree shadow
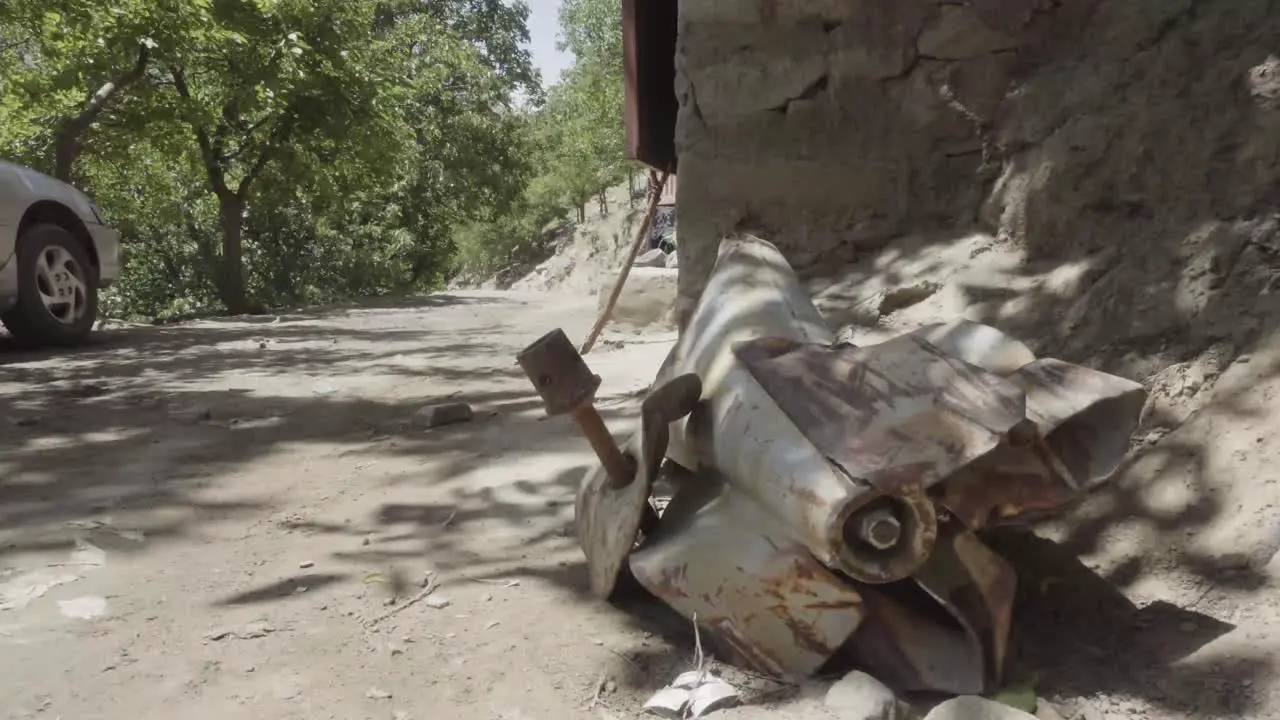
[
  {"x": 1080, "y": 635},
  {"x": 149, "y": 424}
]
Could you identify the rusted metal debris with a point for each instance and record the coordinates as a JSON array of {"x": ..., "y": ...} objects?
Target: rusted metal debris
[{"x": 828, "y": 498}]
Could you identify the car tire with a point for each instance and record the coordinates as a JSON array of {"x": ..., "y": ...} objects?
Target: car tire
[{"x": 57, "y": 289}]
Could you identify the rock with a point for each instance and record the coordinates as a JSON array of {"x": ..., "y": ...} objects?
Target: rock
[
  {"x": 971, "y": 707},
  {"x": 1046, "y": 711},
  {"x": 445, "y": 414},
  {"x": 669, "y": 702},
  {"x": 377, "y": 694},
  {"x": 958, "y": 33},
  {"x": 306, "y": 564},
  {"x": 673, "y": 261},
  {"x": 437, "y": 602},
  {"x": 647, "y": 298},
  {"x": 255, "y": 630},
  {"x": 654, "y": 258},
  {"x": 858, "y": 696},
  {"x": 83, "y": 608}
]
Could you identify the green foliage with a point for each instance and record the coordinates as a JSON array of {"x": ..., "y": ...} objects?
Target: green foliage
[
  {"x": 267, "y": 152},
  {"x": 275, "y": 152},
  {"x": 576, "y": 137}
]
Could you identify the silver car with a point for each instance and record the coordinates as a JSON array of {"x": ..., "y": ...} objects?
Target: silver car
[{"x": 55, "y": 254}]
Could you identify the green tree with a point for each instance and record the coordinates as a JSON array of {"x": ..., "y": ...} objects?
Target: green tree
[{"x": 262, "y": 151}]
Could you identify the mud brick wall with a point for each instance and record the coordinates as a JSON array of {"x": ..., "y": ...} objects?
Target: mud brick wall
[{"x": 832, "y": 126}]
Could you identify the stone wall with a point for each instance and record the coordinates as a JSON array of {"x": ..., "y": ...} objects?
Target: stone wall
[{"x": 833, "y": 126}]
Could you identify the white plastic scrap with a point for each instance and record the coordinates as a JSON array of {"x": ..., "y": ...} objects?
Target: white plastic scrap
[
  {"x": 692, "y": 694},
  {"x": 669, "y": 702},
  {"x": 712, "y": 696}
]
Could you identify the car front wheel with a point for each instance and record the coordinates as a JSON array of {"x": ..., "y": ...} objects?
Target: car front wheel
[{"x": 57, "y": 289}]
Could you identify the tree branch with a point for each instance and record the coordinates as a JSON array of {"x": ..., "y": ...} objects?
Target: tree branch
[
  {"x": 212, "y": 163},
  {"x": 68, "y": 138},
  {"x": 278, "y": 134}
]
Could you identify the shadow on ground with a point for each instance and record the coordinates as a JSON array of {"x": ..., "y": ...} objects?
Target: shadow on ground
[{"x": 149, "y": 422}]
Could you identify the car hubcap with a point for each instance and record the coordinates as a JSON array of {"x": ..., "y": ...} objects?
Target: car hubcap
[{"x": 61, "y": 283}]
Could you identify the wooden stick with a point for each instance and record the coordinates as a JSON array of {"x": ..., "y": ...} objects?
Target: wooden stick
[{"x": 626, "y": 268}]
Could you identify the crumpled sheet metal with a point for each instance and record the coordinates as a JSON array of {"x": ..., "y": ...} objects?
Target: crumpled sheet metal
[
  {"x": 796, "y": 444},
  {"x": 765, "y": 601}
]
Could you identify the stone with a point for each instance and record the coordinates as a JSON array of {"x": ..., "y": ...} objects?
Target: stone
[
  {"x": 445, "y": 414},
  {"x": 971, "y": 707},
  {"x": 858, "y": 696},
  {"x": 1046, "y": 711},
  {"x": 959, "y": 33},
  {"x": 654, "y": 258},
  {"x": 673, "y": 260},
  {"x": 647, "y": 298}
]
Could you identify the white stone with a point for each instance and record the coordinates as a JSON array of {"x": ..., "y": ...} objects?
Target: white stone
[
  {"x": 970, "y": 707},
  {"x": 654, "y": 258},
  {"x": 647, "y": 298},
  {"x": 445, "y": 414},
  {"x": 858, "y": 696}
]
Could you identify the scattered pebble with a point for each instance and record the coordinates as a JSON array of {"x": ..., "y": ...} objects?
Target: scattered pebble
[
  {"x": 83, "y": 608},
  {"x": 492, "y": 624},
  {"x": 441, "y": 414},
  {"x": 859, "y": 696},
  {"x": 437, "y": 602},
  {"x": 252, "y": 631},
  {"x": 971, "y": 707},
  {"x": 377, "y": 694},
  {"x": 306, "y": 564},
  {"x": 1046, "y": 711}
]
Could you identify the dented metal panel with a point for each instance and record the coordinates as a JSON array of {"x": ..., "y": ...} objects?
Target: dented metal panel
[
  {"x": 1086, "y": 417},
  {"x": 760, "y": 595},
  {"x": 893, "y": 414}
]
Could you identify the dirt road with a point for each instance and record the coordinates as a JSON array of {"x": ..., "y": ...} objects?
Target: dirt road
[
  {"x": 203, "y": 521},
  {"x": 247, "y": 496}
]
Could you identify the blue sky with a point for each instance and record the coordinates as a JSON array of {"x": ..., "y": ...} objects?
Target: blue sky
[{"x": 543, "y": 28}]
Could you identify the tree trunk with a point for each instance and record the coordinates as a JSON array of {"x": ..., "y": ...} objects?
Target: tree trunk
[
  {"x": 602, "y": 199},
  {"x": 230, "y": 218},
  {"x": 67, "y": 143},
  {"x": 582, "y": 212}
]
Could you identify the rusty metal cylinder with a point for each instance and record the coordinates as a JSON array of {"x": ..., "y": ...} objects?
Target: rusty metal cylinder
[{"x": 558, "y": 373}]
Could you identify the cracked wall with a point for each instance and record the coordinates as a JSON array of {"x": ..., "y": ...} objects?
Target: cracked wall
[{"x": 832, "y": 127}]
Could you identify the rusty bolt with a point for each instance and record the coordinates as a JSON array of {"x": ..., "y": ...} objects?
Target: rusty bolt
[{"x": 880, "y": 529}]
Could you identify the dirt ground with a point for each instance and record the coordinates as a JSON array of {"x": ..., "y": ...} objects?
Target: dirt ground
[
  {"x": 247, "y": 497},
  {"x": 259, "y": 491}
]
